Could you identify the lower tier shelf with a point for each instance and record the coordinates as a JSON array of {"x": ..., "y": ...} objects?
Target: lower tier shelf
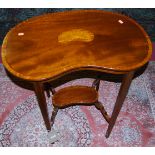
[{"x": 74, "y": 95}]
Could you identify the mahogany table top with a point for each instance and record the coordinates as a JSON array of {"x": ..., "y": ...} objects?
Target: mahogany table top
[{"x": 53, "y": 44}]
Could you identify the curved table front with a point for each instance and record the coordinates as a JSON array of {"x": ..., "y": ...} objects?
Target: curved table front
[{"x": 48, "y": 46}]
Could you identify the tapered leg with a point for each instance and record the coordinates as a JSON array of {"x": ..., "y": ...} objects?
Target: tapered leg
[
  {"x": 96, "y": 84},
  {"x": 54, "y": 113},
  {"x": 100, "y": 107},
  {"x": 120, "y": 99},
  {"x": 39, "y": 90},
  {"x": 48, "y": 93}
]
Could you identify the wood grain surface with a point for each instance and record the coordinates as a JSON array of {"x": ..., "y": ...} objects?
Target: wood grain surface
[
  {"x": 74, "y": 95},
  {"x": 111, "y": 42}
]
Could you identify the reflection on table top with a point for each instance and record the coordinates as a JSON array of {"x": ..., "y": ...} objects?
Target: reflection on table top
[{"x": 53, "y": 44}]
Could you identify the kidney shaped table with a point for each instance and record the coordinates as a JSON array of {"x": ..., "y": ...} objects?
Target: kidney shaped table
[{"x": 46, "y": 47}]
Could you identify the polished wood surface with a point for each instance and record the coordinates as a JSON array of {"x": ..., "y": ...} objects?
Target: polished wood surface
[
  {"x": 78, "y": 95},
  {"x": 74, "y": 95},
  {"x": 46, "y": 47},
  {"x": 51, "y": 45}
]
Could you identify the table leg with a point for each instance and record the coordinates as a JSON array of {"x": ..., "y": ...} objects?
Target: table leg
[
  {"x": 120, "y": 99},
  {"x": 54, "y": 113},
  {"x": 39, "y": 90}
]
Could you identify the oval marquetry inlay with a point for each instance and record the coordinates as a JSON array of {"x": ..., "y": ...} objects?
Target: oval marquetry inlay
[{"x": 75, "y": 35}]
